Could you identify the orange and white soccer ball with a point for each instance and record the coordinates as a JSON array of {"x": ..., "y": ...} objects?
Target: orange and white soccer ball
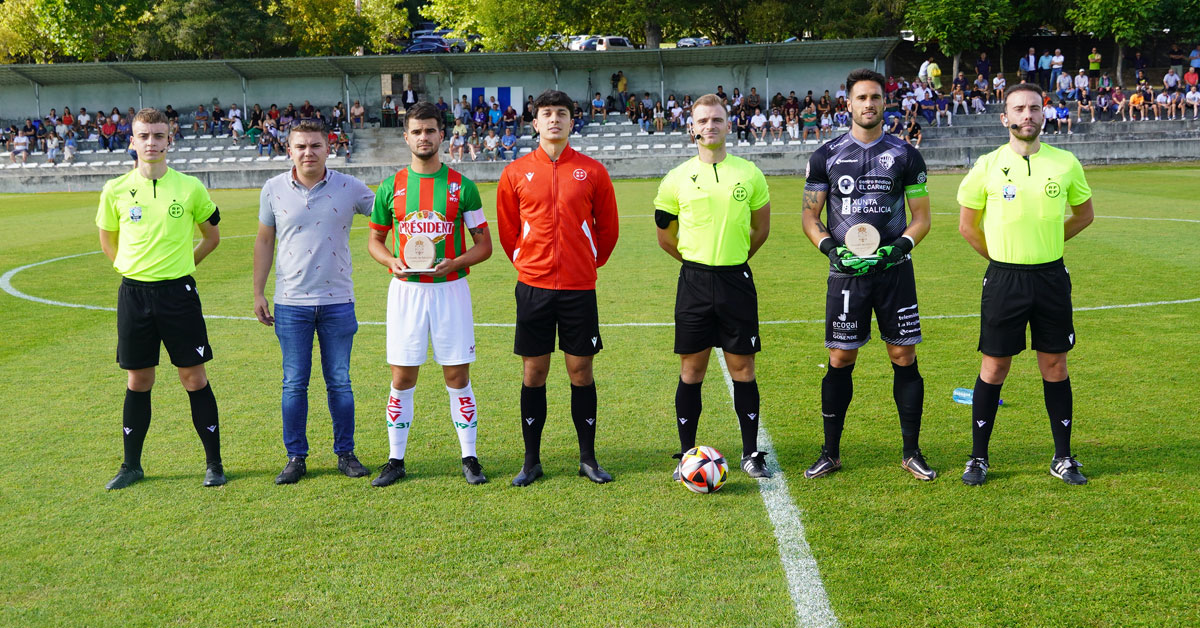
[{"x": 703, "y": 470}]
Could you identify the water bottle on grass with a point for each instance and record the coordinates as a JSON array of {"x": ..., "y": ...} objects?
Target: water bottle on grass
[{"x": 965, "y": 395}]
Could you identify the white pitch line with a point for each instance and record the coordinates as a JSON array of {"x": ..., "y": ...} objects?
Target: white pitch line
[
  {"x": 799, "y": 566},
  {"x": 1098, "y": 216}
]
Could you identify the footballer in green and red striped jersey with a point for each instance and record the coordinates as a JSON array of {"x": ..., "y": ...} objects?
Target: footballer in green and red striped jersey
[{"x": 431, "y": 206}]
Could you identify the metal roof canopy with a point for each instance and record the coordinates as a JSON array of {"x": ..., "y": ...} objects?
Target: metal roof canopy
[{"x": 251, "y": 69}]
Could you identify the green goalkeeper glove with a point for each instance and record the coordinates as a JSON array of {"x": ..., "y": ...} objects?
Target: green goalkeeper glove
[{"x": 894, "y": 253}]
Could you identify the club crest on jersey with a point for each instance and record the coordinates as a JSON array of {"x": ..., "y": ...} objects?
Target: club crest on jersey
[
  {"x": 135, "y": 213},
  {"x": 453, "y": 188},
  {"x": 427, "y": 223},
  {"x": 739, "y": 193},
  {"x": 1009, "y": 191},
  {"x": 886, "y": 160},
  {"x": 580, "y": 174}
]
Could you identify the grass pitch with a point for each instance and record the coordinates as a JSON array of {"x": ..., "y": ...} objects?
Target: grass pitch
[{"x": 1024, "y": 550}]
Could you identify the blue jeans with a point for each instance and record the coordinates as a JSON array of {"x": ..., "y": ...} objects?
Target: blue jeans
[{"x": 335, "y": 326}]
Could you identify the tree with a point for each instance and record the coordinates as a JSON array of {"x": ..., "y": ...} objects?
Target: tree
[
  {"x": 1182, "y": 17},
  {"x": 331, "y": 27},
  {"x": 21, "y": 38},
  {"x": 92, "y": 30},
  {"x": 212, "y": 29},
  {"x": 956, "y": 26},
  {"x": 1128, "y": 22}
]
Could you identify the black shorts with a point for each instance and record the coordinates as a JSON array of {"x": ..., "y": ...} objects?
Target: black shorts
[
  {"x": 1018, "y": 294},
  {"x": 166, "y": 312},
  {"x": 892, "y": 294},
  {"x": 541, "y": 310},
  {"x": 716, "y": 306}
]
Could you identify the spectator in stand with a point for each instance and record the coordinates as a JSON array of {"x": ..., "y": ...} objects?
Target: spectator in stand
[
  {"x": 236, "y": 128},
  {"x": 577, "y": 121},
  {"x": 737, "y": 98},
  {"x": 1028, "y": 65},
  {"x": 983, "y": 67},
  {"x": 491, "y": 144},
  {"x": 266, "y": 141},
  {"x": 960, "y": 82},
  {"x": 20, "y": 147},
  {"x": 1162, "y": 105},
  {"x": 978, "y": 98},
  {"x": 983, "y": 87},
  {"x": 721, "y": 93},
  {"x": 274, "y": 113},
  {"x": 826, "y": 131},
  {"x": 1081, "y": 83},
  {"x": 1191, "y": 79},
  {"x": 388, "y": 112},
  {"x": 474, "y": 145},
  {"x": 257, "y": 115},
  {"x": 337, "y": 115},
  {"x": 776, "y": 120},
  {"x": 1176, "y": 106},
  {"x": 1050, "y": 119},
  {"x": 841, "y": 119},
  {"x": 923, "y": 71},
  {"x": 510, "y": 120},
  {"x": 741, "y": 123},
  {"x": 1171, "y": 81},
  {"x": 1045, "y": 63},
  {"x": 1175, "y": 58},
  {"x": 479, "y": 120},
  {"x": 958, "y": 99},
  {"x": 70, "y": 147},
  {"x": 61, "y": 129},
  {"x": 810, "y": 119},
  {"x": 599, "y": 111},
  {"x": 508, "y": 144},
  {"x": 777, "y": 100},
  {"x": 84, "y": 120},
  {"x": 909, "y": 108},
  {"x": 677, "y": 117},
  {"x": 1137, "y": 106},
  {"x": 1065, "y": 86},
  {"x": 753, "y": 100},
  {"x": 1063, "y": 114},
  {"x": 200, "y": 121},
  {"x": 1192, "y": 99},
  {"x": 234, "y": 112},
  {"x": 357, "y": 114},
  {"x": 1103, "y": 104},
  {"x": 286, "y": 119},
  {"x": 53, "y": 150},
  {"x": 124, "y": 130},
  {"x": 943, "y": 109},
  {"x": 218, "y": 119},
  {"x": 758, "y": 125},
  {"x": 928, "y": 108},
  {"x": 108, "y": 132},
  {"x": 793, "y": 124},
  {"x": 1105, "y": 82},
  {"x": 1194, "y": 58},
  {"x": 889, "y": 89},
  {"x": 660, "y": 117},
  {"x": 999, "y": 83},
  {"x": 1139, "y": 62},
  {"x": 409, "y": 97},
  {"x": 306, "y": 111},
  {"x": 494, "y": 116},
  {"x": 527, "y": 119},
  {"x": 458, "y": 142},
  {"x": 1056, "y": 67},
  {"x": 1094, "y": 60},
  {"x": 912, "y": 133}
]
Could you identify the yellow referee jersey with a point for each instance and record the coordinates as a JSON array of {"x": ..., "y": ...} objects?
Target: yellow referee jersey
[
  {"x": 1024, "y": 201},
  {"x": 713, "y": 203}
]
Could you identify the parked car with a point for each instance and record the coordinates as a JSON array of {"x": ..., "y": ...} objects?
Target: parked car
[
  {"x": 693, "y": 42},
  {"x": 588, "y": 44},
  {"x": 575, "y": 41},
  {"x": 613, "y": 43},
  {"x": 427, "y": 44}
]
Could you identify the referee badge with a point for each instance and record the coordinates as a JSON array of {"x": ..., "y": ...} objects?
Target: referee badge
[
  {"x": 176, "y": 210},
  {"x": 1053, "y": 189},
  {"x": 739, "y": 193},
  {"x": 1009, "y": 191},
  {"x": 135, "y": 213}
]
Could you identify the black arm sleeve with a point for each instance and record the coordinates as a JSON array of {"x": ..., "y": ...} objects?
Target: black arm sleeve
[
  {"x": 215, "y": 217},
  {"x": 663, "y": 219}
]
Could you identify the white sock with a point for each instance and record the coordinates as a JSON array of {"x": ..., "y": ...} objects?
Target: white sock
[
  {"x": 399, "y": 418},
  {"x": 463, "y": 412}
]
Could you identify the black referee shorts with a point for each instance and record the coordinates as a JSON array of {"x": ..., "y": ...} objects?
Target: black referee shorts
[
  {"x": 541, "y": 310},
  {"x": 716, "y": 306},
  {"x": 166, "y": 312},
  {"x": 1016, "y": 295}
]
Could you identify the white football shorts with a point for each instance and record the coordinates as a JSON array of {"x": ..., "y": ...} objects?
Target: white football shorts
[{"x": 418, "y": 311}]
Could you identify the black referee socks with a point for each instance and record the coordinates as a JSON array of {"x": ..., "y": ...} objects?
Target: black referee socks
[
  {"x": 908, "y": 389},
  {"x": 135, "y": 422},
  {"x": 583, "y": 415},
  {"x": 204, "y": 418},
  {"x": 745, "y": 403},
  {"x": 837, "y": 389},
  {"x": 983, "y": 416},
  {"x": 533, "y": 418},
  {"x": 1058, "y": 406},
  {"x": 688, "y": 404}
]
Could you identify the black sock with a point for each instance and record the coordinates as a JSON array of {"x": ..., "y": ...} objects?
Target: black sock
[
  {"x": 204, "y": 418},
  {"x": 135, "y": 421},
  {"x": 583, "y": 414},
  {"x": 745, "y": 403},
  {"x": 688, "y": 404},
  {"x": 1058, "y": 406},
  {"x": 533, "y": 418},
  {"x": 908, "y": 389},
  {"x": 837, "y": 389},
  {"x": 983, "y": 416}
]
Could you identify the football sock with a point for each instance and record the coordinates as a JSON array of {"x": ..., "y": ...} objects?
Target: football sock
[
  {"x": 1058, "y": 406},
  {"x": 399, "y": 419},
  {"x": 533, "y": 418},
  {"x": 463, "y": 413},
  {"x": 204, "y": 418},
  {"x": 837, "y": 389},
  {"x": 135, "y": 421},
  {"x": 688, "y": 405},
  {"x": 983, "y": 416},
  {"x": 908, "y": 389},
  {"x": 745, "y": 404},
  {"x": 583, "y": 414}
]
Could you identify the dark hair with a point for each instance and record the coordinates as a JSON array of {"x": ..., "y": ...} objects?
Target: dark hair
[
  {"x": 553, "y": 98},
  {"x": 864, "y": 74},
  {"x": 306, "y": 126},
  {"x": 1022, "y": 87},
  {"x": 424, "y": 111}
]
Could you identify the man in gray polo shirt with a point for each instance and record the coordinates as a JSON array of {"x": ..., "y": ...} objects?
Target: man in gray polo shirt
[{"x": 308, "y": 211}]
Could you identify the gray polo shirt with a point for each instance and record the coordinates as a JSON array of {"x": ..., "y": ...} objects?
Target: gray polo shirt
[{"x": 312, "y": 235}]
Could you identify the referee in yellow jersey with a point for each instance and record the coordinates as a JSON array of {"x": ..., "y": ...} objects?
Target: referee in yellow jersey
[
  {"x": 147, "y": 219},
  {"x": 1013, "y": 205},
  {"x": 713, "y": 213}
]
